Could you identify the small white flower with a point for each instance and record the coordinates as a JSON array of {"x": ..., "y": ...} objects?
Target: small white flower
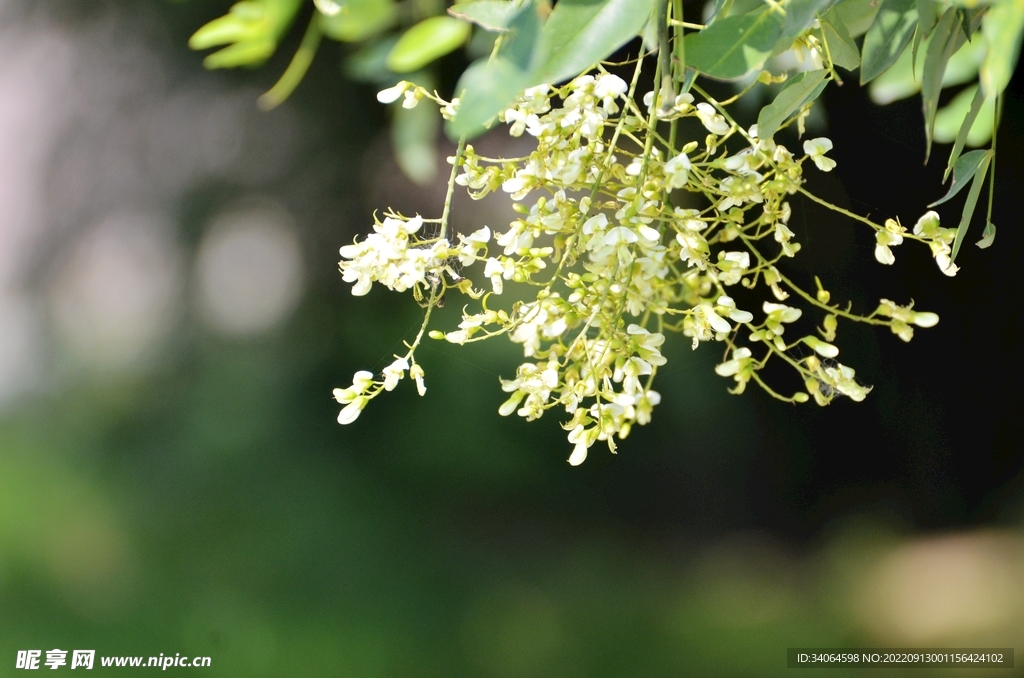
[
  {"x": 728, "y": 306},
  {"x": 350, "y": 412},
  {"x": 582, "y": 440},
  {"x": 816, "y": 150},
  {"x": 327, "y": 7},
  {"x": 714, "y": 122},
  {"x": 579, "y": 454},
  {"x": 925, "y": 319},
  {"x": 394, "y": 373},
  {"x": 884, "y": 255},
  {"x": 494, "y": 270},
  {"x": 822, "y": 348},
  {"x": 732, "y": 266},
  {"x": 731, "y": 367},
  {"x": 412, "y": 97},
  {"x": 946, "y": 264},
  {"x": 778, "y": 314},
  {"x": 449, "y": 110},
  {"x": 391, "y": 94},
  {"x": 928, "y": 224},
  {"x": 514, "y": 185},
  {"x": 609, "y": 85},
  {"x": 457, "y": 337},
  {"x": 717, "y": 322},
  {"x": 677, "y": 170},
  {"x": 885, "y": 238},
  {"x": 416, "y": 372}
]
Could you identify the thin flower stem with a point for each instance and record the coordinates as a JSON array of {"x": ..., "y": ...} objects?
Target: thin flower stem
[
  {"x": 836, "y": 208},
  {"x": 451, "y": 186},
  {"x": 808, "y": 297},
  {"x": 769, "y": 390}
]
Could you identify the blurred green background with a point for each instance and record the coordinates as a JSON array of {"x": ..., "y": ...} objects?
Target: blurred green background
[{"x": 172, "y": 479}]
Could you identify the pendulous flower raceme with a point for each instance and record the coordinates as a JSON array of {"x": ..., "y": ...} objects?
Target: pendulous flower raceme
[{"x": 627, "y": 232}]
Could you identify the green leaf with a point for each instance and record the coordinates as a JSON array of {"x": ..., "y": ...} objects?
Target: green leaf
[
  {"x": 887, "y": 38},
  {"x": 945, "y": 40},
  {"x": 579, "y": 33},
  {"x": 988, "y": 236},
  {"x": 359, "y": 20},
  {"x": 489, "y": 85},
  {"x": 426, "y": 41},
  {"x": 803, "y": 88},
  {"x": 1002, "y": 27},
  {"x": 927, "y": 16},
  {"x": 251, "y": 30},
  {"x": 522, "y": 47},
  {"x": 970, "y": 19},
  {"x": 367, "y": 64},
  {"x": 965, "y": 168},
  {"x": 900, "y": 81},
  {"x": 972, "y": 202},
  {"x": 492, "y": 15},
  {"x": 800, "y": 14},
  {"x": 413, "y": 136},
  {"x": 856, "y": 15},
  {"x": 840, "y": 45},
  {"x": 720, "y": 10},
  {"x": 977, "y": 98},
  {"x": 736, "y": 45}
]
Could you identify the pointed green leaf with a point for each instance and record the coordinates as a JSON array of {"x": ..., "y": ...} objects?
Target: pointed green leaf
[
  {"x": 579, "y": 33},
  {"x": 522, "y": 45},
  {"x": 428, "y": 40},
  {"x": 800, "y": 14},
  {"x": 691, "y": 75},
  {"x": 360, "y": 20},
  {"x": 1002, "y": 27},
  {"x": 927, "y": 16},
  {"x": 413, "y": 136},
  {"x": 887, "y": 38},
  {"x": 251, "y": 30},
  {"x": 972, "y": 202},
  {"x": 945, "y": 40},
  {"x": 486, "y": 88},
  {"x": 988, "y": 236},
  {"x": 720, "y": 10},
  {"x": 840, "y": 45},
  {"x": 964, "y": 169},
  {"x": 970, "y": 19},
  {"x": 968, "y": 121},
  {"x": 490, "y": 84},
  {"x": 856, "y": 15},
  {"x": 492, "y": 15},
  {"x": 803, "y": 88},
  {"x": 900, "y": 81},
  {"x": 732, "y": 47}
]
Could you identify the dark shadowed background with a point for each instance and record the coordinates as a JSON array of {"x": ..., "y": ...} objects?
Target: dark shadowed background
[{"x": 172, "y": 478}]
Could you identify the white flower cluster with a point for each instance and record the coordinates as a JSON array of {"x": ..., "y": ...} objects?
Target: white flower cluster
[
  {"x": 392, "y": 258},
  {"x": 624, "y": 237},
  {"x": 927, "y": 229}
]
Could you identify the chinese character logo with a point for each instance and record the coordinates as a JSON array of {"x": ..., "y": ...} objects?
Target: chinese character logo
[{"x": 28, "y": 659}]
